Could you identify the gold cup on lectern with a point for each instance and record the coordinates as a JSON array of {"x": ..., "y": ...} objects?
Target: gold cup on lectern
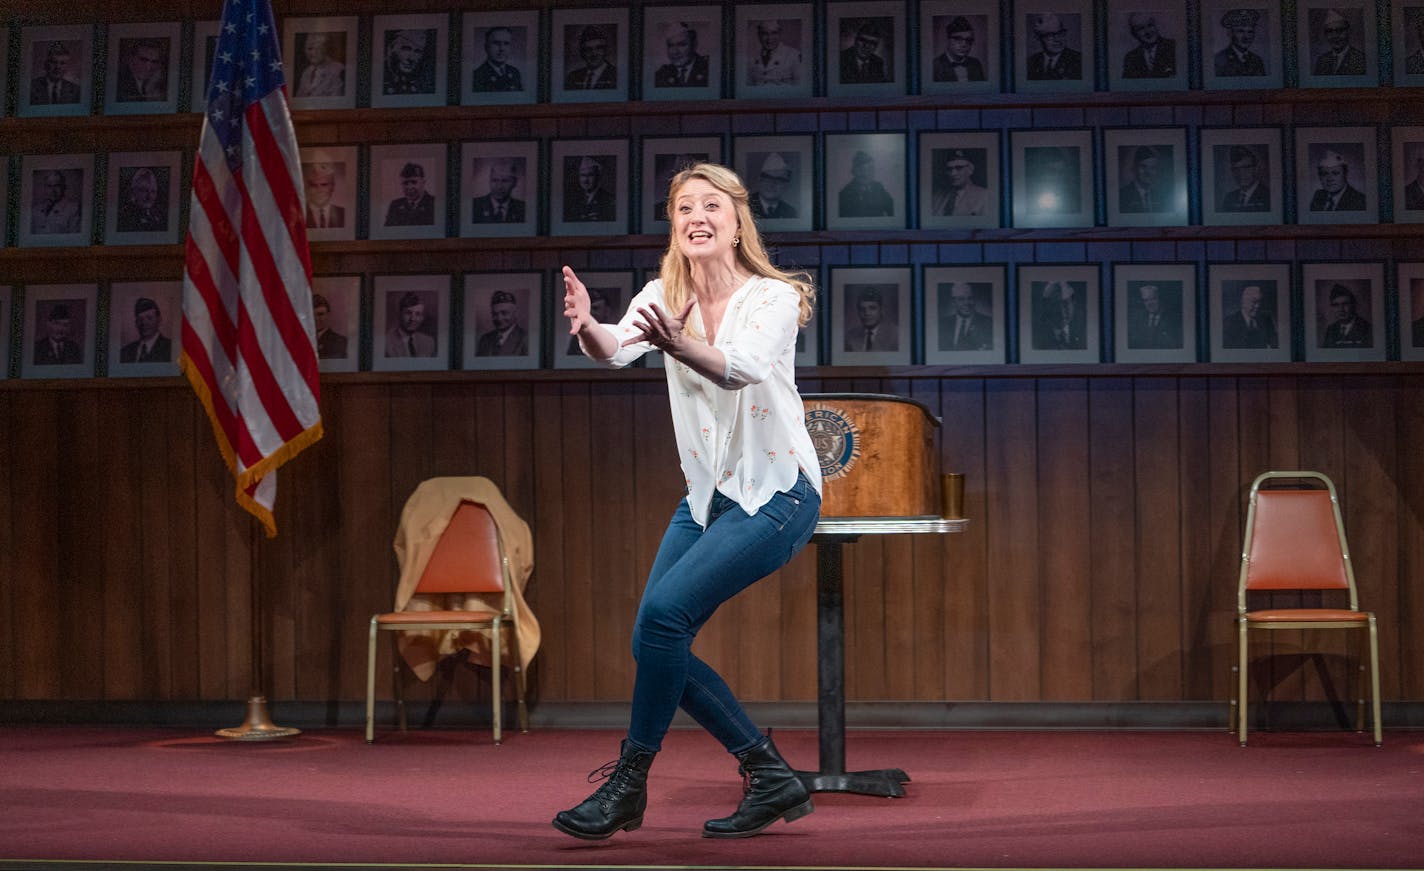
[{"x": 951, "y": 495}]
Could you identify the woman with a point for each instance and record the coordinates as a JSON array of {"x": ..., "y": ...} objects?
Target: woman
[{"x": 728, "y": 320}]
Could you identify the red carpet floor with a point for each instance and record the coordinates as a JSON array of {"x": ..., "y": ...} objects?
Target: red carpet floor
[{"x": 976, "y": 800}]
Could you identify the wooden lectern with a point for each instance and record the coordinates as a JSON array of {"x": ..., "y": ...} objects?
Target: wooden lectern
[{"x": 880, "y": 475}]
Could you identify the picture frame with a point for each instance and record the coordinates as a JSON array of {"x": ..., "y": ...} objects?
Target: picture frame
[
  {"x": 1052, "y": 178},
  {"x": 779, "y": 173},
  {"x": 866, "y": 51},
  {"x": 775, "y": 51},
  {"x": 609, "y": 293},
  {"x": 1407, "y": 148},
  {"x": 142, "y": 78},
  {"x": 1249, "y": 305},
  {"x": 1338, "y": 163},
  {"x": 410, "y": 56},
  {"x": 1146, "y": 169},
  {"x": 1155, "y": 312},
  {"x": 503, "y": 323},
  {"x": 1407, "y": 39},
  {"x": 1411, "y": 310},
  {"x": 959, "y": 180},
  {"x": 336, "y": 310},
  {"x": 870, "y": 316},
  {"x": 1335, "y": 292},
  {"x": 965, "y": 315},
  {"x": 55, "y": 76},
  {"x": 500, "y": 183},
  {"x": 410, "y": 329},
  {"x": 682, "y": 52},
  {"x": 499, "y": 61},
  {"x": 1336, "y": 46},
  {"x": 590, "y": 55},
  {"x": 56, "y": 200},
  {"x": 662, "y": 158},
  {"x": 406, "y": 183},
  {"x": 143, "y": 198},
  {"x": 6, "y": 295},
  {"x": 204, "y": 46},
  {"x": 145, "y": 328},
  {"x": 4, "y": 201},
  {"x": 1242, "y": 177},
  {"x": 322, "y": 58},
  {"x": 866, "y": 178},
  {"x": 1058, "y": 313},
  {"x": 1055, "y": 48},
  {"x": 1147, "y": 45},
  {"x": 4, "y": 75},
  {"x": 589, "y": 194},
  {"x": 57, "y": 334},
  {"x": 960, "y": 47},
  {"x": 808, "y": 338},
  {"x": 330, "y": 178},
  {"x": 1241, "y": 44}
]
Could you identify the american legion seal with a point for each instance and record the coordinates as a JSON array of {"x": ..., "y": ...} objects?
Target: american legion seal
[{"x": 836, "y": 438}]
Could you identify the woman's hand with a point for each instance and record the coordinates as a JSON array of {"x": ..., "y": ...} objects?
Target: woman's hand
[
  {"x": 659, "y": 329},
  {"x": 576, "y": 304}
]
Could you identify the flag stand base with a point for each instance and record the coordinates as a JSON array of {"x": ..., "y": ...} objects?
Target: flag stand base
[{"x": 258, "y": 726}]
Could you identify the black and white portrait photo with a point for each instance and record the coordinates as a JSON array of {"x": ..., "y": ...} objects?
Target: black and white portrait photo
[
  {"x": 590, "y": 193},
  {"x": 1241, "y": 44},
  {"x": 1250, "y": 312},
  {"x": 1146, "y": 177},
  {"x": 1408, "y": 153},
  {"x": 58, "y": 331},
  {"x": 1055, "y": 48},
  {"x": 499, "y": 188},
  {"x": 590, "y": 55},
  {"x": 407, "y": 189},
  {"x": 1241, "y": 175},
  {"x": 609, "y": 292},
  {"x": 1147, "y": 45},
  {"x": 329, "y": 182},
  {"x": 142, "y": 75},
  {"x": 336, "y": 312},
  {"x": 500, "y": 57},
  {"x": 865, "y": 48},
  {"x": 1155, "y": 312},
  {"x": 1052, "y": 178},
  {"x": 1336, "y": 175},
  {"x": 871, "y": 315},
  {"x": 1407, "y": 27},
  {"x": 409, "y": 57},
  {"x": 411, "y": 328},
  {"x": 143, "y": 198},
  {"x": 321, "y": 63},
  {"x": 865, "y": 180},
  {"x": 1410, "y": 281},
  {"x": 145, "y": 320},
  {"x": 56, "y": 199},
  {"x": 1058, "y": 313},
  {"x": 964, "y": 314},
  {"x": 1344, "y": 310},
  {"x": 959, "y": 47},
  {"x": 502, "y": 320},
  {"x": 681, "y": 53},
  {"x": 960, "y": 174},
  {"x": 1336, "y": 44},
  {"x": 55, "y": 76},
  {"x": 774, "y": 50},
  {"x": 777, "y": 171}
]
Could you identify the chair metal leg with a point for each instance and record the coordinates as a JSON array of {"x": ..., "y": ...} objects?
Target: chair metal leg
[
  {"x": 398, "y": 682},
  {"x": 1241, "y": 707},
  {"x": 1374, "y": 682},
  {"x": 371, "y": 684},
  {"x": 496, "y": 700}
]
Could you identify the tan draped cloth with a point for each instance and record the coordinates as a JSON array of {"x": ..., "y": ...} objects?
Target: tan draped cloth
[{"x": 423, "y": 520}]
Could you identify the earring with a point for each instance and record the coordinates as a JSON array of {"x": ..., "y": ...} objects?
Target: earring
[{"x": 736, "y": 240}]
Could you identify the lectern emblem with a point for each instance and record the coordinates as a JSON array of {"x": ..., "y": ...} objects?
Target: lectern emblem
[{"x": 837, "y": 441}]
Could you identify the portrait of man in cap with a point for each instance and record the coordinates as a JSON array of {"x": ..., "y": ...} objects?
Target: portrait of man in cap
[
  {"x": 144, "y": 194},
  {"x": 1414, "y": 22},
  {"x": 505, "y": 337},
  {"x": 151, "y": 346},
  {"x": 1336, "y": 193},
  {"x": 1237, "y": 59},
  {"x": 768, "y": 199},
  {"x": 330, "y": 345},
  {"x": 1336, "y": 55},
  {"x": 597, "y": 71},
  {"x": 773, "y": 61},
  {"x": 861, "y": 61},
  {"x": 864, "y": 196},
  {"x": 1148, "y": 188},
  {"x": 416, "y": 205},
  {"x": 956, "y": 193},
  {"x": 687, "y": 66},
  {"x": 1249, "y": 191},
  {"x": 957, "y": 62},
  {"x": 1414, "y": 190},
  {"x": 1154, "y": 56},
  {"x": 57, "y": 347},
  {"x": 1050, "y": 58},
  {"x": 589, "y": 199},
  {"x": 410, "y": 61}
]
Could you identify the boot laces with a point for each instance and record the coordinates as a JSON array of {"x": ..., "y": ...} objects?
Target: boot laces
[{"x": 612, "y": 773}]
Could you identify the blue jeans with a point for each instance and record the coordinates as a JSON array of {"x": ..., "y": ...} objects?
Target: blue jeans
[{"x": 695, "y": 571}]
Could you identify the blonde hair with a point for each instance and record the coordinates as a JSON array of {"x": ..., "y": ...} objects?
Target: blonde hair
[{"x": 676, "y": 271}]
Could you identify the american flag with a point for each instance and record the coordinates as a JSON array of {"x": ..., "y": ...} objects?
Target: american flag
[{"x": 249, "y": 347}]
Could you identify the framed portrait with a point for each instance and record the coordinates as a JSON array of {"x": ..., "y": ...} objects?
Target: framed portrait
[
  {"x": 1055, "y": 47},
  {"x": 1250, "y": 309},
  {"x": 1335, "y": 44},
  {"x": 808, "y": 338},
  {"x": 959, "y": 47},
  {"x": 1146, "y": 176},
  {"x": 1407, "y": 24},
  {"x": 682, "y": 52},
  {"x": 321, "y": 62},
  {"x": 410, "y": 330},
  {"x": 870, "y": 316},
  {"x": 57, "y": 336},
  {"x": 774, "y": 45},
  {"x": 56, "y": 199},
  {"x": 663, "y": 158},
  {"x": 1408, "y": 164},
  {"x": 1155, "y": 310},
  {"x": 142, "y": 78},
  {"x": 866, "y": 175},
  {"x": 145, "y": 328},
  {"x": 1411, "y": 311},
  {"x": 4, "y": 200},
  {"x": 499, "y": 188},
  {"x": 54, "y": 75},
  {"x": 143, "y": 195},
  {"x": 778, "y": 173},
  {"x": 959, "y": 180},
  {"x": 205, "y": 45},
  {"x": 1344, "y": 310},
  {"x": 4, "y": 77},
  {"x": 409, "y": 58},
  {"x": 407, "y": 190},
  {"x": 5, "y": 296},
  {"x": 609, "y": 293},
  {"x": 1052, "y": 178},
  {"x": 336, "y": 309},
  {"x": 964, "y": 315},
  {"x": 329, "y": 177},
  {"x": 590, "y": 187},
  {"x": 590, "y": 55},
  {"x": 499, "y": 61},
  {"x": 1058, "y": 313},
  {"x": 502, "y": 320},
  {"x": 1241, "y": 44},
  {"x": 1337, "y": 178},
  {"x": 1147, "y": 45},
  {"x": 866, "y": 51},
  {"x": 1241, "y": 175}
]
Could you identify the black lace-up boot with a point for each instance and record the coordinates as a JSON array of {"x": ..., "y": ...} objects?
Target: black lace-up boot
[
  {"x": 770, "y": 791},
  {"x": 617, "y": 804}
]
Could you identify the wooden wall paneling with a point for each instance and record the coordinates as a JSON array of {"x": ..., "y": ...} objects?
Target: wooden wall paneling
[
  {"x": 548, "y": 587},
  {"x": 1321, "y": 426},
  {"x": 119, "y": 536},
  {"x": 1225, "y": 476},
  {"x": 865, "y": 561},
  {"x": 1011, "y": 470},
  {"x": 486, "y": 403},
  {"x": 37, "y": 546},
  {"x": 797, "y": 635},
  {"x": 900, "y": 584},
  {"x": 1110, "y": 461},
  {"x": 1195, "y": 527},
  {"x": 10, "y": 660},
  {"x": 584, "y": 641},
  {"x": 309, "y": 581},
  {"x": 964, "y": 448},
  {"x": 932, "y": 574},
  {"x": 151, "y": 486},
  {"x": 1410, "y": 507},
  {"x": 412, "y": 424},
  {"x": 211, "y": 537},
  {"x": 519, "y": 456},
  {"x": 83, "y": 570},
  {"x": 458, "y": 415},
  {"x": 616, "y": 585},
  {"x": 1065, "y": 531},
  {"x": 178, "y": 535},
  {"x": 1158, "y": 485}
]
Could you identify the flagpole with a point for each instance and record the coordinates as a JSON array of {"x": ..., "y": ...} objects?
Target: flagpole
[{"x": 258, "y": 726}]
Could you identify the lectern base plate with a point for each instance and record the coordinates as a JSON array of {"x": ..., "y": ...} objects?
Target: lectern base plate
[{"x": 884, "y": 781}]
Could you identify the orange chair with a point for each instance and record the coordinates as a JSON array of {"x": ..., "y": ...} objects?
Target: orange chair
[
  {"x": 469, "y": 558},
  {"x": 1295, "y": 540}
]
